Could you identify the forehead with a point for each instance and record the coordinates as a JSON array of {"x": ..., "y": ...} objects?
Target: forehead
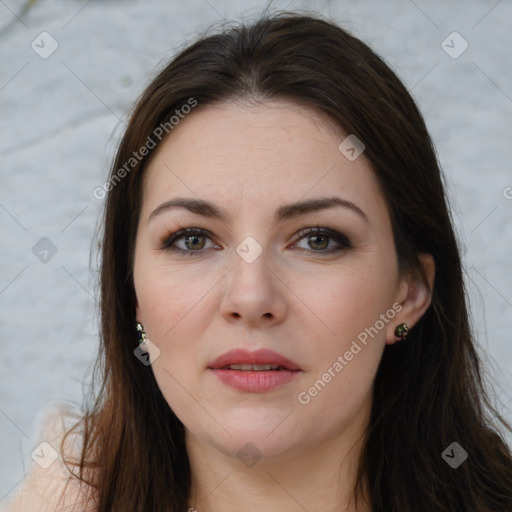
[{"x": 275, "y": 151}]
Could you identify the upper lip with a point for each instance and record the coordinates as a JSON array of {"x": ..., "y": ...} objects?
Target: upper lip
[{"x": 261, "y": 356}]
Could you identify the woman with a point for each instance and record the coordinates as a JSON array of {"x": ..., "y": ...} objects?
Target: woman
[{"x": 284, "y": 322}]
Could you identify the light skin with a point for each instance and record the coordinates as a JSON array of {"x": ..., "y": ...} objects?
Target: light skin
[{"x": 299, "y": 297}]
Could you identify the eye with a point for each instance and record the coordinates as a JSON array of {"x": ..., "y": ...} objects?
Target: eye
[
  {"x": 193, "y": 241},
  {"x": 321, "y": 238}
]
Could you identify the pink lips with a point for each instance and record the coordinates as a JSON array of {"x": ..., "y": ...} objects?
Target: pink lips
[
  {"x": 262, "y": 356},
  {"x": 250, "y": 380}
]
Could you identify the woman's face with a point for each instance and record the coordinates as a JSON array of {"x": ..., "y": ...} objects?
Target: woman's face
[{"x": 256, "y": 278}]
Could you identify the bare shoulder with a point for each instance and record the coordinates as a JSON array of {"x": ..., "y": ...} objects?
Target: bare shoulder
[{"x": 49, "y": 486}]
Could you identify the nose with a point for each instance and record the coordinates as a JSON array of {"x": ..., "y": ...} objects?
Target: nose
[{"x": 254, "y": 295}]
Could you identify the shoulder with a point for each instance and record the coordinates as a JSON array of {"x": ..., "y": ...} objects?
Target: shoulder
[{"x": 49, "y": 485}]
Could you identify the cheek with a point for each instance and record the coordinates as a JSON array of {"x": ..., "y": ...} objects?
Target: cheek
[
  {"x": 169, "y": 310},
  {"x": 347, "y": 347},
  {"x": 173, "y": 306},
  {"x": 165, "y": 294},
  {"x": 355, "y": 310},
  {"x": 348, "y": 302},
  {"x": 172, "y": 314}
]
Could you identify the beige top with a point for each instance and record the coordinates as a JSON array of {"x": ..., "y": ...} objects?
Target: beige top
[{"x": 44, "y": 488}]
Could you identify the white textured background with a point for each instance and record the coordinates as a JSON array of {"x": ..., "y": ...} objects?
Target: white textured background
[{"x": 62, "y": 116}]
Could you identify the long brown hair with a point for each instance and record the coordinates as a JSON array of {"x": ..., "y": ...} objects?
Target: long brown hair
[{"x": 428, "y": 391}]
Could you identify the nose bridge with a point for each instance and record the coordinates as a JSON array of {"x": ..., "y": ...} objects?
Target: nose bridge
[
  {"x": 252, "y": 292},
  {"x": 250, "y": 266},
  {"x": 250, "y": 250}
]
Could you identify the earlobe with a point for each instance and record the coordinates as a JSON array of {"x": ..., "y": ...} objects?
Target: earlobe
[{"x": 418, "y": 296}]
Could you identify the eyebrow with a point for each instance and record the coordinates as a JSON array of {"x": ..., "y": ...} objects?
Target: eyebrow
[{"x": 289, "y": 211}]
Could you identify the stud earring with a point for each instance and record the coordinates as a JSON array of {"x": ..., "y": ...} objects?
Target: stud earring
[
  {"x": 401, "y": 331},
  {"x": 141, "y": 334}
]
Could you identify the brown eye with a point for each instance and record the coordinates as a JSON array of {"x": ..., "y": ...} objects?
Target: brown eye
[
  {"x": 319, "y": 239},
  {"x": 192, "y": 240},
  {"x": 319, "y": 242}
]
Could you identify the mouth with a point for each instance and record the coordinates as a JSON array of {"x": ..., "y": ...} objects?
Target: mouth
[
  {"x": 256, "y": 361},
  {"x": 254, "y": 372}
]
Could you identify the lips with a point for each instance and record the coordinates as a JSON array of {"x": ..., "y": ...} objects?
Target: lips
[
  {"x": 259, "y": 360},
  {"x": 260, "y": 371}
]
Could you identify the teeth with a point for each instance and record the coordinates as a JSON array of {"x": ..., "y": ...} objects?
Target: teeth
[{"x": 252, "y": 367}]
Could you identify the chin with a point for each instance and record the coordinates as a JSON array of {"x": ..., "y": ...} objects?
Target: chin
[
  {"x": 254, "y": 432},
  {"x": 251, "y": 447}
]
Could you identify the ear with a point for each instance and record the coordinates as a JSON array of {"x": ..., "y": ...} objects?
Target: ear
[
  {"x": 413, "y": 296},
  {"x": 138, "y": 316}
]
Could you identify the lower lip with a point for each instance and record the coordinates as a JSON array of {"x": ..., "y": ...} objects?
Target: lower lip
[{"x": 255, "y": 382}]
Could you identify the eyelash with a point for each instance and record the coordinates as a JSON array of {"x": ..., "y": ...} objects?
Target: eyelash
[{"x": 340, "y": 238}]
